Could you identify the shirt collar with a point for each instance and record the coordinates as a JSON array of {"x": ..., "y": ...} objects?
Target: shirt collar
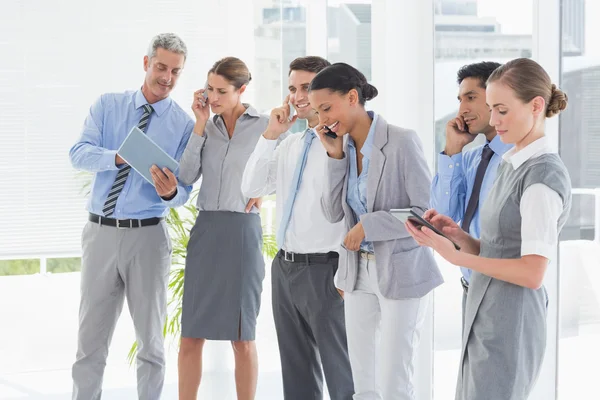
[
  {"x": 368, "y": 146},
  {"x": 533, "y": 149},
  {"x": 306, "y": 132},
  {"x": 251, "y": 111},
  {"x": 498, "y": 146},
  {"x": 159, "y": 107}
]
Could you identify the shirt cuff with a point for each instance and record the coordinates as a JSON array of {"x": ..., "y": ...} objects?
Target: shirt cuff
[
  {"x": 447, "y": 164},
  {"x": 108, "y": 160},
  {"x": 176, "y": 200},
  {"x": 196, "y": 141},
  {"x": 536, "y": 247}
]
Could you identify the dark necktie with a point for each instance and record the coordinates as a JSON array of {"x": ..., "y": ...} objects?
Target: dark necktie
[
  {"x": 117, "y": 187},
  {"x": 486, "y": 156}
]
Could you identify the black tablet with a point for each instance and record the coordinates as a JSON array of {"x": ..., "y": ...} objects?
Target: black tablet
[{"x": 405, "y": 214}]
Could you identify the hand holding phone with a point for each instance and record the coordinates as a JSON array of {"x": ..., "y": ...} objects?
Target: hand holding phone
[
  {"x": 205, "y": 92},
  {"x": 457, "y": 136},
  {"x": 292, "y": 112},
  {"x": 334, "y": 147},
  {"x": 200, "y": 105},
  {"x": 407, "y": 214}
]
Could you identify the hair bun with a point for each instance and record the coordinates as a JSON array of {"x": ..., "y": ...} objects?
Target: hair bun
[
  {"x": 558, "y": 102},
  {"x": 369, "y": 91}
]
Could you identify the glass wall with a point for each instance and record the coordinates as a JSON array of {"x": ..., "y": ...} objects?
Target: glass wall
[{"x": 579, "y": 343}]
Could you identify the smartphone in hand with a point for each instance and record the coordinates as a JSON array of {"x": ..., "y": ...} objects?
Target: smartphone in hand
[
  {"x": 205, "y": 93},
  {"x": 407, "y": 214},
  {"x": 329, "y": 133},
  {"x": 292, "y": 112}
]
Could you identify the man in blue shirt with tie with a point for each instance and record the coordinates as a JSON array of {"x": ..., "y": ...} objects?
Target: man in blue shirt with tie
[
  {"x": 464, "y": 178},
  {"x": 126, "y": 249}
]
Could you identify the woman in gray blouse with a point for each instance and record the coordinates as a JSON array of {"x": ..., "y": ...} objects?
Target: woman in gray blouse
[
  {"x": 505, "y": 317},
  {"x": 224, "y": 266}
]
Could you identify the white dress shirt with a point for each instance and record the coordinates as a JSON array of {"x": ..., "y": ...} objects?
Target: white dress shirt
[
  {"x": 271, "y": 169},
  {"x": 540, "y": 206}
]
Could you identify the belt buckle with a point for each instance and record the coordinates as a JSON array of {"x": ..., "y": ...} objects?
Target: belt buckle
[
  {"x": 285, "y": 256},
  {"x": 118, "y": 225}
]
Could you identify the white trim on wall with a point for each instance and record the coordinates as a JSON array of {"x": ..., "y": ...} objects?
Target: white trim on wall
[{"x": 546, "y": 51}]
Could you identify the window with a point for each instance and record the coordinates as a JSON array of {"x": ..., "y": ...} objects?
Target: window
[
  {"x": 484, "y": 31},
  {"x": 580, "y": 240},
  {"x": 349, "y": 34}
]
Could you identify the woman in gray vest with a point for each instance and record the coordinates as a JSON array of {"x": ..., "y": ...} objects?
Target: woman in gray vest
[
  {"x": 224, "y": 265},
  {"x": 505, "y": 318}
]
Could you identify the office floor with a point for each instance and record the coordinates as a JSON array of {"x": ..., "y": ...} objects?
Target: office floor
[
  {"x": 38, "y": 326},
  {"x": 38, "y": 320}
]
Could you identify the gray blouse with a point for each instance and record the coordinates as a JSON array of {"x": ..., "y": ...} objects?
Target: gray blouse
[{"x": 220, "y": 161}]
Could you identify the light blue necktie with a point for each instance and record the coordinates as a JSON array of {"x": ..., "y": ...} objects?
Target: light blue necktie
[{"x": 289, "y": 204}]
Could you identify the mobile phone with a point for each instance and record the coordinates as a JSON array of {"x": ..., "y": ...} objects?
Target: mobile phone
[
  {"x": 466, "y": 130},
  {"x": 205, "y": 93},
  {"x": 407, "y": 214},
  {"x": 292, "y": 112},
  {"x": 329, "y": 133}
]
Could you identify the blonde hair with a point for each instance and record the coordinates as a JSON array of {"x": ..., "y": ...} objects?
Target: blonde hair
[{"x": 529, "y": 80}]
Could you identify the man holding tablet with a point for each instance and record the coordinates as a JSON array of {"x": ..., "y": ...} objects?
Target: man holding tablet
[{"x": 126, "y": 249}]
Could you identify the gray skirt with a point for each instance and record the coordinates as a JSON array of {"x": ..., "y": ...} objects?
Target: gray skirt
[{"x": 224, "y": 271}]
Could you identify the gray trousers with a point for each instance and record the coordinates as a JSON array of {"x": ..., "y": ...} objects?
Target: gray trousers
[
  {"x": 119, "y": 263},
  {"x": 311, "y": 332}
]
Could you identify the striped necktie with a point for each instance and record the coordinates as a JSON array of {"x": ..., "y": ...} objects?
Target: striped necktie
[{"x": 117, "y": 187}]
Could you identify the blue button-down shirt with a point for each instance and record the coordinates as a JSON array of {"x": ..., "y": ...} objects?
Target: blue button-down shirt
[
  {"x": 357, "y": 185},
  {"x": 453, "y": 184},
  {"x": 110, "y": 119}
]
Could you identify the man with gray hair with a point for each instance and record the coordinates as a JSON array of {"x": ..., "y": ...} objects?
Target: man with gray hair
[{"x": 126, "y": 249}]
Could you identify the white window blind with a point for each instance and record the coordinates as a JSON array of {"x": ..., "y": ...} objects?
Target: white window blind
[{"x": 56, "y": 59}]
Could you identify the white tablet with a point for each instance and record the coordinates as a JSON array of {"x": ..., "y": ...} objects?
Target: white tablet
[{"x": 141, "y": 152}]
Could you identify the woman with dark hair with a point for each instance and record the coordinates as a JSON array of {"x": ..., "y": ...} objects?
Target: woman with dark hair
[
  {"x": 505, "y": 316},
  {"x": 373, "y": 167},
  {"x": 224, "y": 267}
]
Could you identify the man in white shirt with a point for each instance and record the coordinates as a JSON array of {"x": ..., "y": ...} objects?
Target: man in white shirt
[{"x": 307, "y": 308}]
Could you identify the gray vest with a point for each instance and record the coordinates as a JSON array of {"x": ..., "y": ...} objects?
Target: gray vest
[
  {"x": 505, "y": 325},
  {"x": 501, "y": 215}
]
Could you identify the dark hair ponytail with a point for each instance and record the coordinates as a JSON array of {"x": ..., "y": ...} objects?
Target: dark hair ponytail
[{"x": 342, "y": 78}]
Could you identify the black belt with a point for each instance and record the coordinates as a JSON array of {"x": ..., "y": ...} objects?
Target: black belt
[
  {"x": 124, "y": 223},
  {"x": 307, "y": 258}
]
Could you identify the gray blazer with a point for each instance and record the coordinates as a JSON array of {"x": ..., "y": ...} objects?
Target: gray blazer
[{"x": 398, "y": 178}]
